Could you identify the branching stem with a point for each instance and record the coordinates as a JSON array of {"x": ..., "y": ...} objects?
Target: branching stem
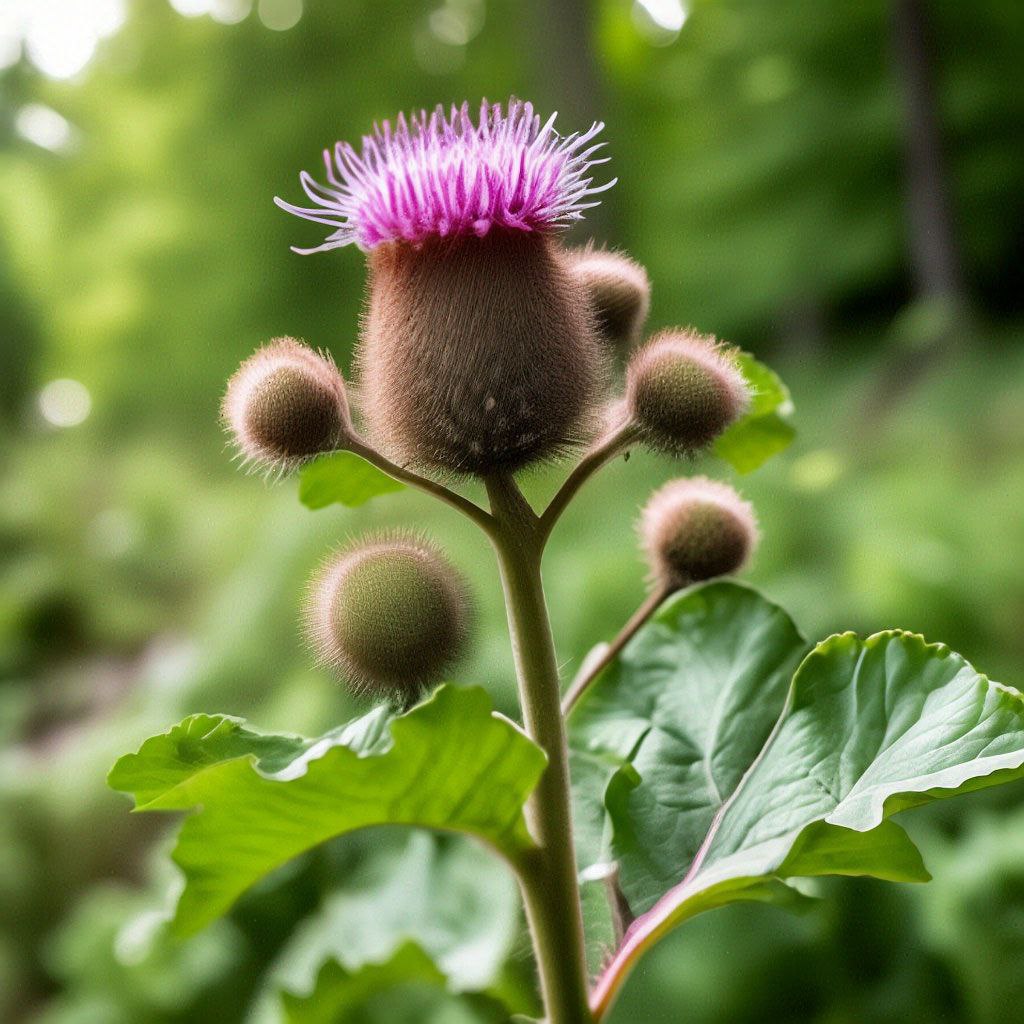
[
  {"x": 638, "y": 618},
  {"x": 612, "y": 444},
  {"x": 406, "y": 476},
  {"x": 548, "y": 878}
]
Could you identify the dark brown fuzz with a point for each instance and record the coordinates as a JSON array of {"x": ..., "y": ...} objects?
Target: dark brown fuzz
[
  {"x": 619, "y": 292},
  {"x": 478, "y": 354},
  {"x": 696, "y": 529},
  {"x": 683, "y": 389},
  {"x": 286, "y": 403}
]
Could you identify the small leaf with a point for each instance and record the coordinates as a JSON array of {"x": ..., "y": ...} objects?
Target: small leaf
[
  {"x": 343, "y": 478},
  {"x": 765, "y": 430},
  {"x": 869, "y": 728},
  {"x": 449, "y": 763},
  {"x": 406, "y": 989}
]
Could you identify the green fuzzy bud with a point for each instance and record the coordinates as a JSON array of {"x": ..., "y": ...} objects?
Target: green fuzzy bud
[
  {"x": 390, "y": 615},
  {"x": 683, "y": 390},
  {"x": 285, "y": 404},
  {"x": 696, "y": 529}
]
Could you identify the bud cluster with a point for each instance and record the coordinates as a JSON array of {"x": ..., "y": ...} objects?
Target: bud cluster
[{"x": 485, "y": 347}]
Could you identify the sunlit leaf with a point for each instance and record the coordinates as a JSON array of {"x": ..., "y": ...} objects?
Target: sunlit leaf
[
  {"x": 449, "y": 763},
  {"x": 765, "y": 430},
  {"x": 869, "y": 728},
  {"x": 342, "y": 478}
]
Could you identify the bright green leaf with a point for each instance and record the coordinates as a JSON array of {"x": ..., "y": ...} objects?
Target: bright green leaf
[
  {"x": 765, "y": 430},
  {"x": 869, "y": 728},
  {"x": 342, "y": 478},
  {"x": 449, "y": 763}
]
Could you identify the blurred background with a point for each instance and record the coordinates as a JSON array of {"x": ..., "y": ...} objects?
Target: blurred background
[{"x": 835, "y": 187}]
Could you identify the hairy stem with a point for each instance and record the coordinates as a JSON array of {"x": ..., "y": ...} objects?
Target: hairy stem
[
  {"x": 638, "y": 618},
  {"x": 548, "y": 879},
  {"x": 422, "y": 483}
]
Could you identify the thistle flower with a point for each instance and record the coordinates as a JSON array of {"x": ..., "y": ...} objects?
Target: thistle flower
[
  {"x": 695, "y": 529},
  {"x": 478, "y": 350},
  {"x": 390, "y": 614},
  {"x": 619, "y": 292},
  {"x": 284, "y": 404},
  {"x": 683, "y": 389}
]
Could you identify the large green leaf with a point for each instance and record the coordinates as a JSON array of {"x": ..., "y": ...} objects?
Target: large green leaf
[
  {"x": 765, "y": 430},
  {"x": 687, "y": 706},
  {"x": 869, "y": 728},
  {"x": 342, "y": 478},
  {"x": 450, "y": 763},
  {"x": 405, "y": 989}
]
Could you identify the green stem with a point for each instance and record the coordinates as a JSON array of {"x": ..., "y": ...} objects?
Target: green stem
[{"x": 548, "y": 879}]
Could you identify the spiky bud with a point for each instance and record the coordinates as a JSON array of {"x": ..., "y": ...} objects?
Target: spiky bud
[
  {"x": 284, "y": 404},
  {"x": 619, "y": 293},
  {"x": 695, "y": 529},
  {"x": 478, "y": 354},
  {"x": 683, "y": 389},
  {"x": 389, "y": 614}
]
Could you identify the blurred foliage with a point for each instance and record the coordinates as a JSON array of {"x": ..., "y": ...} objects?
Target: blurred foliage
[{"x": 761, "y": 181}]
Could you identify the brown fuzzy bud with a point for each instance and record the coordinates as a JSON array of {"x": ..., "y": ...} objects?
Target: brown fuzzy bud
[
  {"x": 390, "y": 614},
  {"x": 683, "y": 389},
  {"x": 284, "y": 404},
  {"x": 478, "y": 354},
  {"x": 619, "y": 293},
  {"x": 695, "y": 529}
]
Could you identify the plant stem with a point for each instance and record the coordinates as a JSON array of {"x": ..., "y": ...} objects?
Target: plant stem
[
  {"x": 407, "y": 476},
  {"x": 616, "y": 441},
  {"x": 638, "y": 618},
  {"x": 548, "y": 879}
]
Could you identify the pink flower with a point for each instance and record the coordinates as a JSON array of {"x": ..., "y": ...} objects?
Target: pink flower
[{"x": 434, "y": 177}]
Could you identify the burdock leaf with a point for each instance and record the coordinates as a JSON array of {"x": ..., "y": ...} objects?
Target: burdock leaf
[
  {"x": 765, "y": 429},
  {"x": 343, "y": 478},
  {"x": 686, "y": 707},
  {"x": 450, "y": 763},
  {"x": 407, "y": 988},
  {"x": 868, "y": 728}
]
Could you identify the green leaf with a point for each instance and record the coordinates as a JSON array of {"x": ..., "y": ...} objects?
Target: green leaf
[
  {"x": 442, "y": 891},
  {"x": 765, "y": 430},
  {"x": 408, "y": 987},
  {"x": 450, "y": 763},
  {"x": 869, "y": 728},
  {"x": 343, "y": 478},
  {"x": 686, "y": 706}
]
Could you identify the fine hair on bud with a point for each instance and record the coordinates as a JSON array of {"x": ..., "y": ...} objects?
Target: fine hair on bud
[
  {"x": 695, "y": 529},
  {"x": 284, "y": 404},
  {"x": 619, "y": 293},
  {"x": 478, "y": 355},
  {"x": 390, "y": 615},
  {"x": 683, "y": 389}
]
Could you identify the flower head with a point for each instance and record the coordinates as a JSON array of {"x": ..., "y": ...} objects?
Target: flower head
[
  {"x": 683, "y": 389},
  {"x": 695, "y": 529},
  {"x": 389, "y": 613},
  {"x": 432, "y": 176},
  {"x": 284, "y": 404}
]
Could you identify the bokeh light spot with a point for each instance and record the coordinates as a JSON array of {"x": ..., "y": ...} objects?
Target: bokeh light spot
[
  {"x": 65, "y": 403},
  {"x": 44, "y": 127},
  {"x": 280, "y": 15},
  {"x": 660, "y": 21}
]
